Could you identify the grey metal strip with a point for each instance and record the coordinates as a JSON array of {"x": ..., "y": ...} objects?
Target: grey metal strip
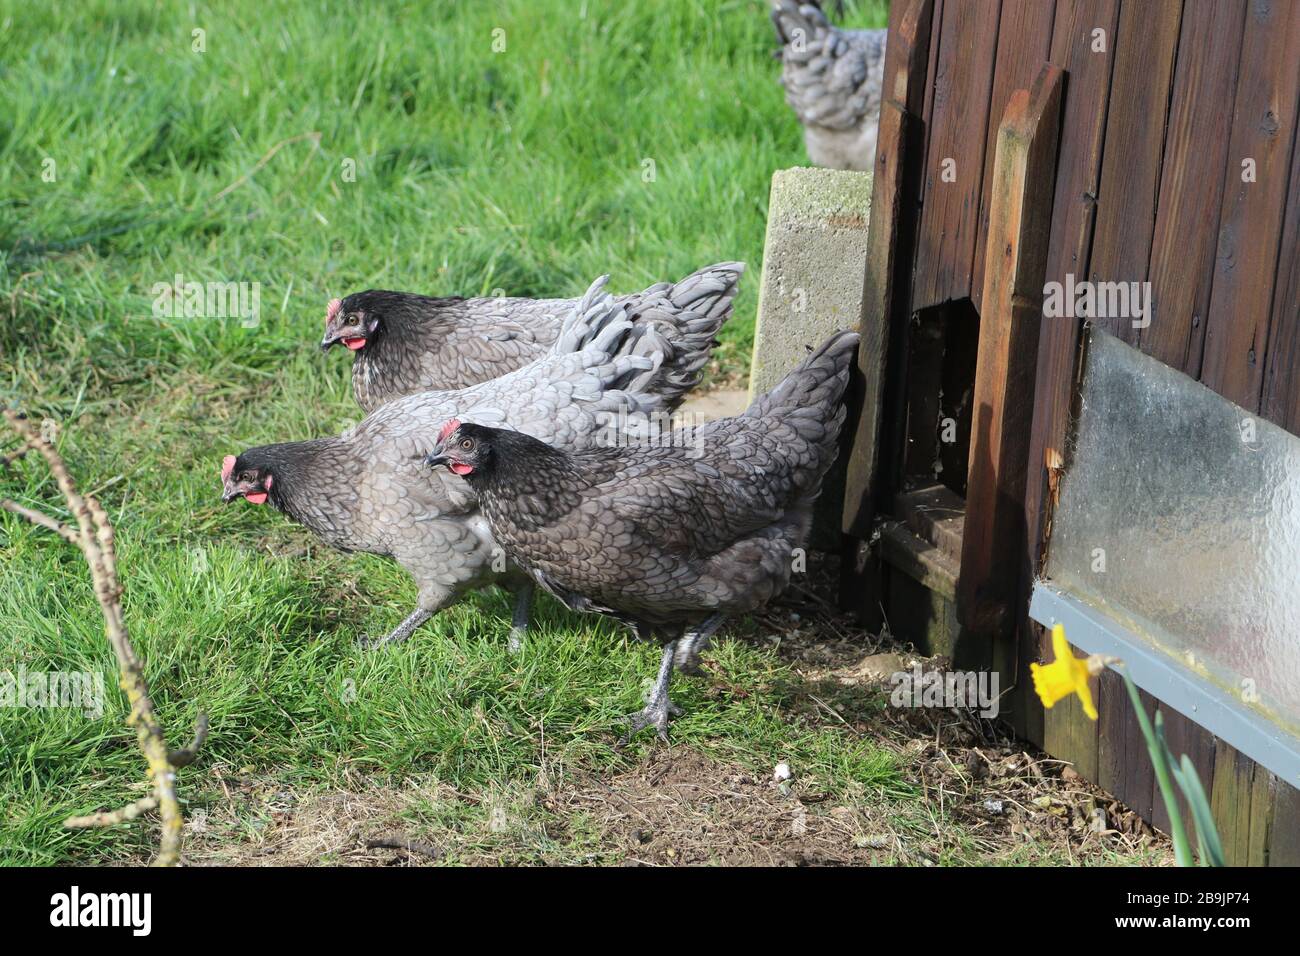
[{"x": 1162, "y": 677}]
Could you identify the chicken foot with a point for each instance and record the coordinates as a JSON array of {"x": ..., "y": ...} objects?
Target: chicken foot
[
  {"x": 692, "y": 643},
  {"x": 658, "y": 706}
]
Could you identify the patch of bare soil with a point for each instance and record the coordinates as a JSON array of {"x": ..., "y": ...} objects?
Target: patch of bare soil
[{"x": 682, "y": 808}]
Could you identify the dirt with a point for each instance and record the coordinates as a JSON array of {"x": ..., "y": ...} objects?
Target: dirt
[
  {"x": 684, "y": 808},
  {"x": 984, "y": 797}
]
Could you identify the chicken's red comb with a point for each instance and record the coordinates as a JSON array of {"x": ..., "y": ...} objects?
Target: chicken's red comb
[
  {"x": 332, "y": 310},
  {"x": 227, "y": 466},
  {"x": 448, "y": 428}
]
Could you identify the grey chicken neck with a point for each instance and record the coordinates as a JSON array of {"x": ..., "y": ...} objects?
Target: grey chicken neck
[{"x": 313, "y": 481}]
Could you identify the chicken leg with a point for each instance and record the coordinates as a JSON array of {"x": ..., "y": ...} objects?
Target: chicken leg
[
  {"x": 522, "y": 613},
  {"x": 693, "y": 642},
  {"x": 658, "y": 706},
  {"x": 402, "y": 631}
]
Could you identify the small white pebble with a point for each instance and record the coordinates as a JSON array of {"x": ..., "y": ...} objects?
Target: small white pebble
[{"x": 782, "y": 772}]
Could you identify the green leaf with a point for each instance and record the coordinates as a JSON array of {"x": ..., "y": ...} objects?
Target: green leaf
[{"x": 1207, "y": 834}]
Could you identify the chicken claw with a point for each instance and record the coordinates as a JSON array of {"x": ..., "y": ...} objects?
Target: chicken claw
[{"x": 659, "y": 707}]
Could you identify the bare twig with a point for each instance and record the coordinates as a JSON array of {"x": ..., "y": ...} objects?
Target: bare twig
[
  {"x": 185, "y": 757},
  {"x": 110, "y": 818},
  {"x": 94, "y": 536},
  {"x": 42, "y": 519}
]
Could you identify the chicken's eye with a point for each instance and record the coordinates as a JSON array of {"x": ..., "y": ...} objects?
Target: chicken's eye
[{"x": 467, "y": 443}]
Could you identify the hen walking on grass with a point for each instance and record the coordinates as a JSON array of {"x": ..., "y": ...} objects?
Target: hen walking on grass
[
  {"x": 367, "y": 489},
  {"x": 667, "y": 538}
]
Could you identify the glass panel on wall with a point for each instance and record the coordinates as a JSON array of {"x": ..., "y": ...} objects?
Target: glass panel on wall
[{"x": 1179, "y": 518}]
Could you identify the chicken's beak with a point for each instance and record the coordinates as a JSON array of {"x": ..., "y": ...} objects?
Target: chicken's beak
[
  {"x": 437, "y": 457},
  {"x": 228, "y": 494}
]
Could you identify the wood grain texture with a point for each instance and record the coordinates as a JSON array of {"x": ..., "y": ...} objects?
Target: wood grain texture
[
  {"x": 1181, "y": 269},
  {"x": 1020, "y": 205},
  {"x": 1135, "y": 139},
  {"x": 1281, "y": 403},
  {"x": 1073, "y": 211},
  {"x": 1024, "y": 43},
  {"x": 1230, "y": 801},
  {"x": 957, "y": 125},
  {"x": 1284, "y": 847},
  {"x": 889, "y": 238},
  {"x": 1250, "y": 221}
]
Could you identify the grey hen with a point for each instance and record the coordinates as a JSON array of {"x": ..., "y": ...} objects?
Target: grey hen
[
  {"x": 406, "y": 343},
  {"x": 832, "y": 81},
  {"x": 367, "y": 489},
  {"x": 667, "y": 538}
]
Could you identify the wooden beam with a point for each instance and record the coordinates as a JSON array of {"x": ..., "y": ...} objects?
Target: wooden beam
[
  {"x": 893, "y": 212},
  {"x": 1075, "y": 48},
  {"x": 1020, "y": 212},
  {"x": 1024, "y": 44}
]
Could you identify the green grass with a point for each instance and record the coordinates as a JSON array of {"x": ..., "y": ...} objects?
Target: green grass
[{"x": 476, "y": 170}]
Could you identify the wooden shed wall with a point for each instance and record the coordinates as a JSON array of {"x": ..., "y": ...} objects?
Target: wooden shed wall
[{"x": 1154, "y": 132}]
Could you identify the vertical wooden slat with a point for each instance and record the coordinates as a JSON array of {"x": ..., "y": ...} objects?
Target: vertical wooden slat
[
  {"x": 1078, "y": 169},
  {"x": 1123, "y": 762},
  {"x": 1191, "y": 182},
  {"x": 1284, "y": 847},
  {"x": 1020, "y": 208},
  {"x": 1250, "y": 223},
  {"x": 1135, "y": 137},
  {"x": 890, "y": 235},
  {"x": 1230, "y": 800},
  {"x": 1024, "y": 43},
  {"x": 1282, "y": 384},
  {"x": 956, "y": 127},
  {"x": 1261, "y": 817}
]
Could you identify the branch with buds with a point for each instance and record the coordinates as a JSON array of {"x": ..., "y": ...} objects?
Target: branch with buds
[{"x": 94, "y": 536}]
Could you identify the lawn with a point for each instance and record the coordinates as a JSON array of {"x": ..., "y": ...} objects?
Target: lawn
[{"x": 446, "y": 148}]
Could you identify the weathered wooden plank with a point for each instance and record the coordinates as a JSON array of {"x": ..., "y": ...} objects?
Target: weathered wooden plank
[
  {"x": 1230, "y": 801},
  {"x": 1020, "y": 204},
  {"x": 890, "y": 235},
  {"x": 1261, "y": 817},
  {"x": 1135, "y": 134},
  {"x": 1250, "y": 223},
  {"x": 1282, "y": 385},
  {"x": 1123, "y": 761},
  {"x": 1181, "y": 270},
  {"x": 1284, "y": 847},
  {"x": 1075, "y": 49},
  {"x": 1024, "y": 43},
  {"x": 957, "y": 127}
]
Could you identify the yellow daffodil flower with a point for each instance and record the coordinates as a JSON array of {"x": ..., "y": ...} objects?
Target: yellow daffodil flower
[{"x": 1064, "y": 676}]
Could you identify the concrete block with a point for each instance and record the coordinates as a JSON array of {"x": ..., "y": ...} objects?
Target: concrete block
[{"x": 814, "y": 267}]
